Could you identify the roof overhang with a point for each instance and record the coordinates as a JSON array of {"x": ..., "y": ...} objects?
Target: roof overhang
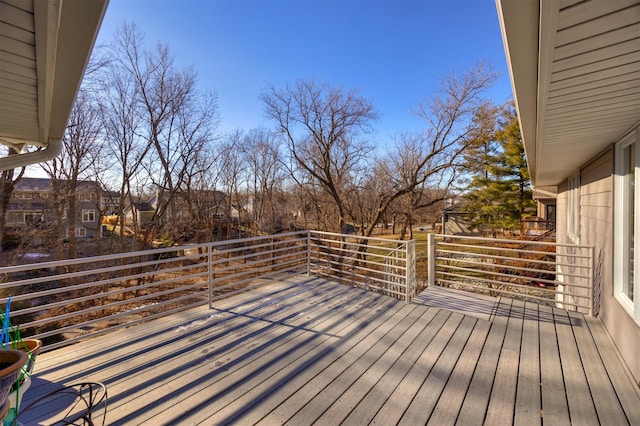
[
  {"x": 575, "y": 74},
  {"x": 44, "y": 49}
]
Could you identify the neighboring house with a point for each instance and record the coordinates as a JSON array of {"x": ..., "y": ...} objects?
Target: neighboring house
[
  {"x": 454, "y": 219},
  {"x": 110, "y": 203},
  {"x": 141, "y": 211},
  {"x": 244, "y": 211},
  {"x": 210, "y": 205},
  {"x": 575, "y": 72},
  {"x": 32, "y": 206}
]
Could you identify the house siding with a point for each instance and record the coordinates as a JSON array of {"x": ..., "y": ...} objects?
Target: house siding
[
  {"x": 596, "y": 228},
  {"x": 34, "y": 196}
]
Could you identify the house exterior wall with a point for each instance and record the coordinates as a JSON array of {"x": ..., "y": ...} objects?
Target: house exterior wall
[
  {"x": 596, "y": 228},
  {"x": 34, "y": 197}
]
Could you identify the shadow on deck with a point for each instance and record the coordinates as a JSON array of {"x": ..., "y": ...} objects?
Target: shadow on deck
[{"x": 305, "y": 350}]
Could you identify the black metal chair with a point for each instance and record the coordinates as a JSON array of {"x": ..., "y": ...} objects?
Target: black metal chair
[{"x": 76, "y": 404}]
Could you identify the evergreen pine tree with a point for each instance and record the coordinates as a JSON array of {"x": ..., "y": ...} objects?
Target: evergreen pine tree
[{"x": 499, "y": 193}]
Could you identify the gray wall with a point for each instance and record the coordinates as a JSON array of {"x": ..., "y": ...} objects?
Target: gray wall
[{"x": 596, "y": 228}]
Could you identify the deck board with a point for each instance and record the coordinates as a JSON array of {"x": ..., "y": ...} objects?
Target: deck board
[
  {"x": 620, "y": 378},
  {"x": 448, "y": 407},
  {"x": 606, "y": 402},
  {"x": 527, "y": 406},
  {"x": 581, "y": 409},
  {"x": 353, "y": 365},
  {"x": 554, "y": 409},
  {"x": 427, "y": 396},
  {"x": 375, "y": 399},
  {"x": 392, "y": 411},
  {"x": 475, "y": 404},
  {"x": 302, "y": 350},
  {"x": 365, "y": 378},
  {"x": 503, "y": 392}
]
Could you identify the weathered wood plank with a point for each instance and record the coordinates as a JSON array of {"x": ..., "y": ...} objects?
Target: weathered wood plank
[
  {"x": 124, "y": 344},
  {"x": 82, "y": 352},
  {"x": 604, "y": 396},
  {"x": 528, "y": 404},
  {"x": 503, "y": 392},
  {"x": 310, "y": 378},
  {"x": 154, "y": 366},
  {"x": 626, "y": 389},
  {"x": 342, "y": 378},
  {"x": 463, "y": 302},
  {"x": 218, "y": 389},
  {"x": 376, "y": 397},
  {"x": 342, "y": 406},
  {"x": 448, "y": 407},
  {"x": 392, "y": 410},
  {"x": 581, "y": 409},
  {"x": 278, "y": 373},
  {"x": 428, "y": 395},
  {"x": 476, "y": 401},
  {"x": 554, "y": 399},
  {"x": 302, "y": 350}
]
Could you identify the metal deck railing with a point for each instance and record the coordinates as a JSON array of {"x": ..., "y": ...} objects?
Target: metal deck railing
[
  {"x": 546, "y": 272},
  {"x": 64, "y": 301}
]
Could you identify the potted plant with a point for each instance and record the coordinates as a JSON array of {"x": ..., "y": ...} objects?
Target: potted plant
[
  {"x": 11, "y": 342},
  {"x": 11, "y": 363}
]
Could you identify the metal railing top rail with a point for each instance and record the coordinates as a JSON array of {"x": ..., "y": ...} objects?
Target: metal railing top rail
[
  {"x": 508, "y": 241},
  {"x": 357, "y": 237}
]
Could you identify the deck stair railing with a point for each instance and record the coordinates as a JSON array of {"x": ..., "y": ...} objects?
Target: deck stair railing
[
  {"x": 68, "y": 300},
  {"x": 541, "y": 271}
]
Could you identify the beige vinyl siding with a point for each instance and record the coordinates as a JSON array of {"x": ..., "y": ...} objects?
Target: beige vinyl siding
[{"x": 596, "y": 228}]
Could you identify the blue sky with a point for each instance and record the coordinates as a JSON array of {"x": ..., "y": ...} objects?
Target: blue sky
[{"x": 393, "y": 52}]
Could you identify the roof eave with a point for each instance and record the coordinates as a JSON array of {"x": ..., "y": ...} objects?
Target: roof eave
[
  {"x": 65, "y": 33},
  {"x": 519, "y": 24}
]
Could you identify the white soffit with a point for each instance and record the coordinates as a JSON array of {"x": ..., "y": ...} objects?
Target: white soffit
[
  {"x": 587, "y": 79},
  {"x": 44, "y": 49}
]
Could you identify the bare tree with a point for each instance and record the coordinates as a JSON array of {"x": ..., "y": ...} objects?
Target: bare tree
[
  {"x": 81, "y": 145},
  {"x": 8, "y": 180},
  {"x": 234, "y": 180},
  {"x": 175, "y": 124},
  {"x": 430, "y": 159},
  {"x": 324, "y": 129},
  {"x": 261, "y": 149},
  {"x": 122, "y": 125}
]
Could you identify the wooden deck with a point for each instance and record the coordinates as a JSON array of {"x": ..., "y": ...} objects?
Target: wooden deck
[{"x": 304, "y": 350}]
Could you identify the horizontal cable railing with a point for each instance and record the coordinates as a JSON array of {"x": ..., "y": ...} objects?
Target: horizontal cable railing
[
  {"x": 545, "y": 272},
  {"x": 61, "y": 302},
  {"x": 376, "y": 264},
  {"x": 64, "y": 301}
]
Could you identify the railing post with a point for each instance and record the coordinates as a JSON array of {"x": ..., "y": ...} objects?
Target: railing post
[
  {"x": 431, "y": 260},
  {"x": 308, "y": 253},
  {"x": 410, "y": 279},
  {"x": 592, "y": 257},
  {"x": 210, "y": 273}
]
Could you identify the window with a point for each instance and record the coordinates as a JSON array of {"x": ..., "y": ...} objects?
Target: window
[
  {"x": 81, "y": 232},
  {"x": 626, "y": 229},
  {"x": 23, "y": 196},
  {"x": 573, "y": 209},
  {"x": 33, "y": 217},
  {"x": 550, "y": 212},
  {"x": 88, "y": 215}
]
